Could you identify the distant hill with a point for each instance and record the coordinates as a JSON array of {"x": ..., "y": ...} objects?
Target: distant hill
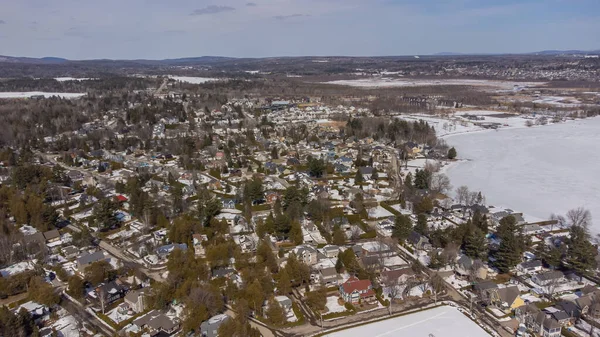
[
  {"x": 567, "y": 52},
  {"x": 214, "y": 60}
]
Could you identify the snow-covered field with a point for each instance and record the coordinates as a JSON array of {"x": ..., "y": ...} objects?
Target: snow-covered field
[
  {"x": 333, "y": 305},
  {"x": 384, "y": 82},
  {"x": 442, "y": 321},
  {"x": 193, "y": 80},
  {"x": 37, "y": 93},
  {"x": 64, "y": 79},
  {"x": 537, "y": 171},
  {"x": 379, "y": 213}
]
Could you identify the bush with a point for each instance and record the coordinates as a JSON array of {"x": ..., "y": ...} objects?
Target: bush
[{"x": 349, "y": 306}]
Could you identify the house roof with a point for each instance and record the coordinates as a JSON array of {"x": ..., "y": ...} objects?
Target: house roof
[
  {"x": 89, "y": 258},
  {"x": 550, "y": 275},
  {"x": 509, "y": 294},
  {"x": 162, "y": 322},
  {"x": 354, "y": 284},
  {"x": 485, "y": 285},
  {"x": 396, "y": 273},
  {"x": 51, "y": 234},
  {"x": 531, "y": 264},
  {"x": 133, "y": 295}
]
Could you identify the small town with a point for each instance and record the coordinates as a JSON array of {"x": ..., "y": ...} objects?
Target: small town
[{"x": 299, "y": 169}]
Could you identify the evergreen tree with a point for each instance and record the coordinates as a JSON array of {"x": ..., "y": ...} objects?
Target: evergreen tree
[
  {"x": 475, "y": 244},
  {"x": 508, "y": 254},
  {"x": 284, "y": 284},
  {"x": 402, "y": 228},
  {"x": 338, "y": 237},
  {"x": 358, "y": 178},
  {"x": 421, "y": 225},
  {"x": 295, "y": 234},
  {"x": 408, "y": 181},
  {"x": 452, "y": 153},
  {"x": 275, "y": 313},
  {"x": 581, "y": 253}
]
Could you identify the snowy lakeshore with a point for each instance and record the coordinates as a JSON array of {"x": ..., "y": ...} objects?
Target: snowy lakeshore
[
  {"x": 556, "y": 167},
  {"x": 444, "y": 321}
]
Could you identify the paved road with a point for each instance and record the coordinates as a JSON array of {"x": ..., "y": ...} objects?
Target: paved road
[
  {"x": 263, "y": 330},
  {"x": 129, "y": 262},
  {"x": 79, "y": 312}
]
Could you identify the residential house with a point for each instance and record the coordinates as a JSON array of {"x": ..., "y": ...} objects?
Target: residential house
[
  {"x": 136, "y": 300},
  {"x": 355, "y": 290},
  {"x": 467, "y": 267},
  {"x": 306, "y": 254},
  {"x": 396, "y": 276},
  {"x": 87, "y": 259},
  {"x": 156, "y": 322},
  {"x": 548, "y": 278},
  {"x": 331, "y": 251},
  {"x": 539, "y": 322},
  {"x": 210, "y": 327},
  {"x": 52, "y": 236},
  {"x": 507, "y": 298},
  {"x": 529, "y": 267},
  {"x": 419, "y": 241},
  {"x": 329, "y": 277},
  {"x": 164, "y": 251},
  {"x": 110, "y": 292},
  {"x": 486, "y": 291}
]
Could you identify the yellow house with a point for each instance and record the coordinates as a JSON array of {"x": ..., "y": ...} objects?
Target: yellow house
[{"x": 507, "y": 299}]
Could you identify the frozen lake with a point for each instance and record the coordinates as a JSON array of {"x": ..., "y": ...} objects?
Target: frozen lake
[
  {"x": 537, "y": 171},
  {"x": 442, "y": 321},
  {"x": 39, "y": 93}
]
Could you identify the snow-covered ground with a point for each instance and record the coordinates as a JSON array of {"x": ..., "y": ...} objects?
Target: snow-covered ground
[
  {"x": 64, "y": 79},
  {"x": 565, "y": 102},
  {"x": 193, "y": 80},
  {"x": 333, "y": 305},
  {"x": 37, "y": 93},
  {"x": 17, "y": 268},
  {"x": 442, "y": 321},
  {"x": 379, "y": 213},
  {"x": 385, "y": 82},
  {"x": 537, "y": 171}
]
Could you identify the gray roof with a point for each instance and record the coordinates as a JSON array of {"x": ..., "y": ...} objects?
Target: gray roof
[
  {"x": 485, "y": 285},
  {"x": 209, "y": 327},
  {"x": 531, "y": 264},
  {"x": 90, "y": 258},
  {"x": 51, "y": 234},
  {"x": 509, "y": 294},
  {"x": 550, "y": 275},
  {"x": 133, "y": 295}
]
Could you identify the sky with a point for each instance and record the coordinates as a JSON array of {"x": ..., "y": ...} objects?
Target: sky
[{"x": 160, "y": 29}]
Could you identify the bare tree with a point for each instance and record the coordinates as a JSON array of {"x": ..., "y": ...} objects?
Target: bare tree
[
  {"x": 560, "y": 221},
  {"x": 436, "y": 282},
  {"x": 462, "y": 195},
  {"x": 102, "y": 298},
  {"x": 394, "y": 288},
  {"x": 579, "y": 217},
  {"x": 450, "y": 253},
  {"x": 440, "y": 183},
  {"x": 474, "y": 270}
]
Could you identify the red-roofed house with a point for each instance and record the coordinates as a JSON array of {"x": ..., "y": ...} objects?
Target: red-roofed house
[
  {"x": 121, "y": 198},
  {"x": 354, "y": 290}
]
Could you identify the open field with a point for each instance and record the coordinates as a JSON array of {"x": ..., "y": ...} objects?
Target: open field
[
  {"x": 383, "y": 82},
  {"x": 442, "y": 321},
  {"x": 38, "y": 93}
]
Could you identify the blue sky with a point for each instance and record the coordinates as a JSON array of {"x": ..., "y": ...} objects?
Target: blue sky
[{"x": 157, "y": 29}]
